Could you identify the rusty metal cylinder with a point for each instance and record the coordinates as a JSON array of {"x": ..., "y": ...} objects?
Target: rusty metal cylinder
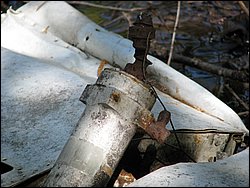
[{"x": 103, "y": 132}]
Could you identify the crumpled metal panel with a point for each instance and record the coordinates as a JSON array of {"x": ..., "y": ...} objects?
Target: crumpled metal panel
[{"x": 34, "y": 131}]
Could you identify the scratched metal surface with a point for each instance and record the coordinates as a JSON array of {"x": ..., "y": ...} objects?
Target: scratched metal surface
[{"x": 39, "y": 109}]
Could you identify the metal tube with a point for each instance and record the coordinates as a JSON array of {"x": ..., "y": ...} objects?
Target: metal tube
[{"x": 103, "y": 132}]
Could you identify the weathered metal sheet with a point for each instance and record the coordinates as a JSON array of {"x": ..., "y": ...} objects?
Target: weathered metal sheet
[
  {"x": 42, "y": 82},
  {"x": 39, "y": 109},
  {"x": 230, "y": 172}
]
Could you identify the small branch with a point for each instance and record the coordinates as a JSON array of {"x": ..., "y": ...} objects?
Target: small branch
[
  {"x": 244, "y": 8},
  {"x": 106, "y": 7},
  {"x": 160, "y": 52},
  {"x": 128, "y": 17},
  {"x": 237, "y": 97},
  {"x": 113, "y": 21},
  {"x": 173, "y": 37},
  {"x": 221, "y": 71},
  {"x": 243, "y": 113}
]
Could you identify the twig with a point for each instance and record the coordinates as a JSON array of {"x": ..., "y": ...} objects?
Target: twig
[
  {"x": 160, "y": 52},
  {"x": 106, "y": 7},
  {"x": 173, "y": 37},
  {"x": 128, "y": 17},
  {"x": 113, "y": 21},
  {"x": 244, "y": 8},
  {"x": 243, "y": 113},
  {"x": 221, "y": 71},
  {"x": 237, "y": 97}
]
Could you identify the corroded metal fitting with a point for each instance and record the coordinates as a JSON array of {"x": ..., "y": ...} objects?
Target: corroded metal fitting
[
  {"x": 140, "y": 33},
  {"x": 115, "y": 104},
  {"x": 130, "y": 97},
  {"x": 156, "y": 129}
]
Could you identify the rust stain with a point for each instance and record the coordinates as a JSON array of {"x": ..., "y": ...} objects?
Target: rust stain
[
  {"x": 178, "y": 98},
  {"x": 145, "y": 119},
  {"x": 156, "y": 129},
  {"x": 198, "y": 139},
  {"x": 116, "y": 96},
  {"x": 101, "y": 66},
  {"x": 107, "y": 170}
]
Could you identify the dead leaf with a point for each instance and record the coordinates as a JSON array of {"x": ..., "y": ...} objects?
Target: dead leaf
[{"x": 124, "y": 179}]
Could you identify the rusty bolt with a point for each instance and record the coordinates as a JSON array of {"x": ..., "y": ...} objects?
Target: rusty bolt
[{"x": 156, "y": 129}]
